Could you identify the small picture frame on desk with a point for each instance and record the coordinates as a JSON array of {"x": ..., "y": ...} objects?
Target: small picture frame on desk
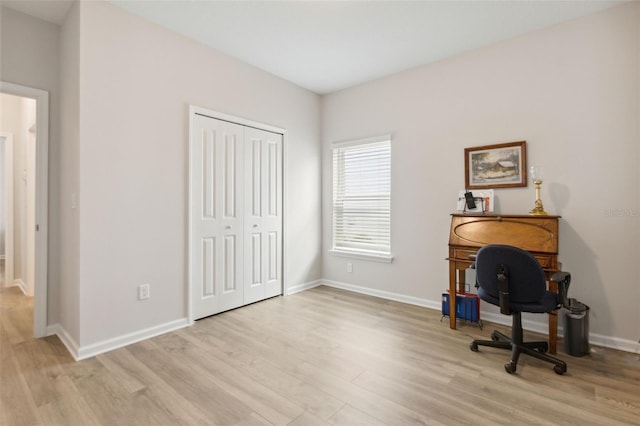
[
  {"x": 484, "y": 201},
  {"x": 496, "y": 166}
]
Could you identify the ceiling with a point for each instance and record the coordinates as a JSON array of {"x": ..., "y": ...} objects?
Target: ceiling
[{"x": 325, "y": 46}]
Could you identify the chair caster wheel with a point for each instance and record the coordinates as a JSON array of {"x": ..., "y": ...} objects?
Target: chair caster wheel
[
  {"x": 494, "y": 337},
  {"x": 473, "y": 346},
  {"x": 510, "y": 367},
  {"x": 543, "y": 349},
  {"x": 560, "y": 369}
]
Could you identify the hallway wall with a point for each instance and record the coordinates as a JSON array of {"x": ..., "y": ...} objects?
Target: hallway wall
[{"x": 17, "y": 116}]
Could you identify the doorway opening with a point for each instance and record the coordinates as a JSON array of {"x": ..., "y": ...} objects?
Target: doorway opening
[{"x": 24, "y": 219}]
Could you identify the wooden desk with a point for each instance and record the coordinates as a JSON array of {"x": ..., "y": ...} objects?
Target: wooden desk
[{"x": 536, "y": 234}]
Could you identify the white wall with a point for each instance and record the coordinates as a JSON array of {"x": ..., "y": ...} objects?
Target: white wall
[
  {"x": 30, "y": 49},
  {"x": 3, "y": 219},
  {"x": 67, "y": 174},
  {"x": 572, "y": 92},
  {"x": 11, "y": 121},
  {"x": 17, "y": 114},
  {"x": 136, "y": 83}
]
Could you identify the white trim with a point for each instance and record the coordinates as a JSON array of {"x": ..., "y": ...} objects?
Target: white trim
[
  {"x": 190, "y": 196},
  {"x": 382, "y": 258},
  {"x": 342, "y": 144},
  {"x": 614, "y": 343},
  {"x": 285, "y": 199},
  {"x": 234, "y": 119},
  {"x": 22, "y": 285},
  {"x": 302, "y": 287},
  {"x": 411, "y": 300},
  {"x": 83, "y": 352},
  {"x": 8, "y": 208},
  {"x": 543, "y": 328},
  {"x": 361, "y": 198},
  {"x": 65, "y": 338},
  {"x": 42, "y": 197}
]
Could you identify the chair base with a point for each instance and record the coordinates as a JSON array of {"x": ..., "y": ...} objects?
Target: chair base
[{"x": 517, "y": 346}]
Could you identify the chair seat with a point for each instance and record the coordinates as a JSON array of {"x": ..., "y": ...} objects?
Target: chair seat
[{"x": 548, "y": 303}]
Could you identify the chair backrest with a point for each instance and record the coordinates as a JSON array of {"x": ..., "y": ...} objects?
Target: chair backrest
[{"x": 527, "y": 283}]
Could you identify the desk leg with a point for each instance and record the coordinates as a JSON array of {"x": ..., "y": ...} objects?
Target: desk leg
[
  {"x": 462, "y": 280},
  {"x": 553, "y": 322},
  {"x": 452, "y": 295}
]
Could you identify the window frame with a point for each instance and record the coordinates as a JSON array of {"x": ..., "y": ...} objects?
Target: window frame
[{"x": 356, "y": 250}]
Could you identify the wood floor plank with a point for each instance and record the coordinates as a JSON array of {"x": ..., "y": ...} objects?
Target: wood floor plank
[
  {"x": 170, "y": 403},
  {"x": 42, "y": 372},
  {"x": 309, "y": 398},
  {"x": 16, "y": 404},
  {"x": 307, "y": 419},
  {"x": 195, "y": 384},
  {"x": 320, "y": 357},
  {"x": 261, "y": 399},
  {"x": 349, "y": 416},
  {"x": 18, "y": 319},
  {"x": 70, "y": 410}
]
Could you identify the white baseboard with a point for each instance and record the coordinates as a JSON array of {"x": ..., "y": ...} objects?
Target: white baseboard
[
  {"x": 614, "y": 343},
  {"x": 66, "y": 339},
  {"x": 302, "y": 287},
  {"x": 82, "y": 352},
  {"x": 88, "y": 351},
  {"x": 411, "y": 300},
  {"x": 22, "y": 285},
  {"x": 542, "y": 328},
  {"x": 535, "y": 326}
]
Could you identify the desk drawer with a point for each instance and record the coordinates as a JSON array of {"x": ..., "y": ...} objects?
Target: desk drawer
[
  {"x": 547, "y": 261},
  {"x": 463, "y": 254}
]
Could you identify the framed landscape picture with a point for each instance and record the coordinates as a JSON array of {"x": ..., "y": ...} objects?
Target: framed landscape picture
[{"x": 496, "y": 166}]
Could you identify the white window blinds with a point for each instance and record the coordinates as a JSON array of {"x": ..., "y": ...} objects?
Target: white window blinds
[{"x": 362, "y": 196}]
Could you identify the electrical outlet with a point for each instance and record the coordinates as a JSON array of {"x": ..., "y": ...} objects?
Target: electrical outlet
[
  {"x": 144, "y": 291},
  {"x": 349, "y": 267}
]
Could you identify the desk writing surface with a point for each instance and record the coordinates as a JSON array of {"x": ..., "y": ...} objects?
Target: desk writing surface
[{"x": 470, "y": 232}]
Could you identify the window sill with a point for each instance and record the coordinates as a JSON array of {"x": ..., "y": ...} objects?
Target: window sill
[{"x": 382, "y": 258}]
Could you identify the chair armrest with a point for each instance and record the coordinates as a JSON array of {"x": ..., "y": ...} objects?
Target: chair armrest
[
  {"x": 472, "y": 257},
  {"x": 564, "y": 280},
  {"x": 560, "y": 276}
]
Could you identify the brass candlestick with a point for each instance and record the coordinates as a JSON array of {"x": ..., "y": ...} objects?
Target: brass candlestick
[{"x": 537, "y": 176}]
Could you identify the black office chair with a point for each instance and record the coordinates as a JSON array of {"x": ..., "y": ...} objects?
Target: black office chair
[{"x": 513, "y": 279}]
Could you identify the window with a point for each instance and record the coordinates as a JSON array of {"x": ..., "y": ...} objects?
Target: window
[{"x": 362, "y": 198}]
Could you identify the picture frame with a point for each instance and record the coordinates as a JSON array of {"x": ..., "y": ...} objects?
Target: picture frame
[
  {"x": 484, "y": 200},
  {"x": 501, "y": 165}
]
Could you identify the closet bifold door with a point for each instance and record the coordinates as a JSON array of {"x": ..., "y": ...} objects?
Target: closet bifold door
[
  {"x": 262, "y": 215},
  {"x": 216, "y": 222}
]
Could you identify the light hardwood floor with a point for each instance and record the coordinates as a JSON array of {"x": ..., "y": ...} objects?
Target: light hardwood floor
[{"x": 319, "y": 357}]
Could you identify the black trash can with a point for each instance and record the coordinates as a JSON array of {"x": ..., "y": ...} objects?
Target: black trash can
[{"x": 576, "y": 328}]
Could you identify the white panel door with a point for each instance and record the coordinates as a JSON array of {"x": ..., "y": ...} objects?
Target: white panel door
[
  {"x": 263, "y": 215},
  {"x": 216, "y": 235}
]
